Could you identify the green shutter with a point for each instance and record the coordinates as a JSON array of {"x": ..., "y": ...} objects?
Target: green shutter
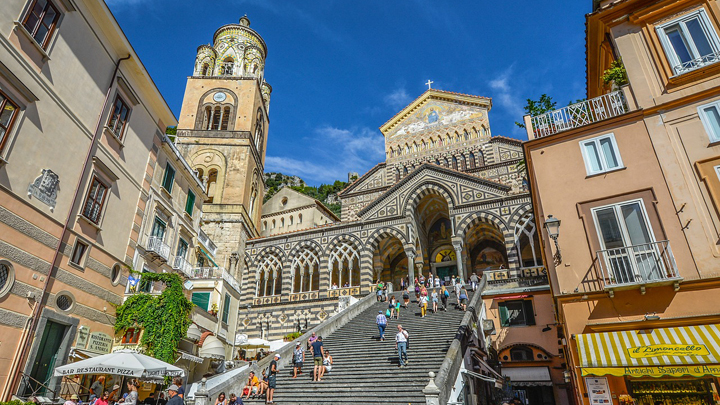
[
  {"x": 202, "y": 300},
  {"x": 529, "y": 313},
  {"x": 190, "y": 203},
  {"x": 503, "y": 315},
  {"x": 226, "y": 308},
  {"x": 169, "y": 177}
]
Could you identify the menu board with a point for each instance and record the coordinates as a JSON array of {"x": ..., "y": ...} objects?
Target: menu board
[{"x": 598, "y": 390}]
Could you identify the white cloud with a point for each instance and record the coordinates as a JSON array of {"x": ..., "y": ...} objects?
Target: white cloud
[
  {"x": 506, "y": 95},
  {"x": 398, "y": 99},
  {"x": 329, "y": 153}
]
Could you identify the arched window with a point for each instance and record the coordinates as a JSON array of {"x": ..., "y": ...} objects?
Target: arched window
[
  {"x": 211, "y": 185},
  {"x": 227, "y": 67},
  {"x": 305, "y": 270},
  {"x": 461, "y": 162},
  {"x": 471, "y": 161},
  {"x": 282, "y": 222},
  {"x": 204, "y": 69},
  {"x": 423, "y": 145},
  {"x": 527, "y": 242},
  {"x": 466, "y": 135},
  {"x": 484, "y": 131},
  {"x": 292, "y": 219},
  {"x": 259, "y": 131},
  {"x": 253, "y": 198},
  {"x": 397, "y": 174},
  {"x": 414, "y": 148},
  {"x": 264, "y": 225},
  {"x": 269, "y": 277},
  {"x": 299, "y": 218},
  {"x": 405, "y": 171},
  {"x": 407, "y": 149},
  {"x": 344, "y": 264},
  {"x": 447, "y": 162},
  {"x": 273, "y": 224},
  {"x": 521, "y": 353},
  {"x": 454, "y": 163}
]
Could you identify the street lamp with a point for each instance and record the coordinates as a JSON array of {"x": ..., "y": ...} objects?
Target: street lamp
[{"x": 552, "y": 226}]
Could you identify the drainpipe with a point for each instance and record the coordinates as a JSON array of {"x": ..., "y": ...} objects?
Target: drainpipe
[{"x": 23, "y": 348}]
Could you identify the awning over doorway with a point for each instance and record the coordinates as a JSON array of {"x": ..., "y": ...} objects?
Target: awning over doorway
[
  {"x": 687, "y": 350},
  {"x": 528, "y": 376}
]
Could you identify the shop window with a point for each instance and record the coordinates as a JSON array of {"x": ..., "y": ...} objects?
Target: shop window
[
  {"x": 601, "y": 154},
  {"x": 41, "y": 21},
  {"x": 517, "y": 313},
  {"x": 690, "y": 42}
]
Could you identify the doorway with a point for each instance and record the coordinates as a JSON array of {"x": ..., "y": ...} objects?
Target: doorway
[
  {"x": 446, "y": 272},
  {"x": 42, "y": 368}
]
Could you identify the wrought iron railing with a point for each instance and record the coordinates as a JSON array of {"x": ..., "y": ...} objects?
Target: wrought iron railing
[
  {"x": 180, "y": 264},
  {"x": 647, "y": 263},
  {"x": 215, "y": 273},
  {"x": 155, "y": 244},
  {"x": 579, "y": 114},
  {"x": 503, "y": 279},
  {"x": 697, "y": 63},
  {"x": 207, "y": 242}
]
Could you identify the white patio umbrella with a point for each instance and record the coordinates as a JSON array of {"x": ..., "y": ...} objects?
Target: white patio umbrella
[
  {"x": 122, "y": 362},
  {"x": 256, "y": 342}
]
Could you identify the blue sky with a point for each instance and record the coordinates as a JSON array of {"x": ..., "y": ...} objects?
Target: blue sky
[{"x": 340, "y": 69}]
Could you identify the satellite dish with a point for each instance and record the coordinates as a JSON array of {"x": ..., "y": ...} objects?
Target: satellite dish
[
  {"x": 188, "y": 285},
  {"x": 241, "y": 339}
]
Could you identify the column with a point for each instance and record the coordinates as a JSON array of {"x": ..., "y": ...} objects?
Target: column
[
  {"x": 411, "y": 268},
  {"x": 459, "y": 261}
]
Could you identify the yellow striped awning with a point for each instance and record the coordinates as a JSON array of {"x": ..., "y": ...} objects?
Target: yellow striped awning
[{"x": 681, "y": 346}]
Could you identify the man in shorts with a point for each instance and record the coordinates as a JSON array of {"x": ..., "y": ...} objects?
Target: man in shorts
[
  {"x": 299, "y": 359},
  {"x": 252, "y": 385},
  {"x": 317, "y": 351},
  {"x": 272, "y": 378}
]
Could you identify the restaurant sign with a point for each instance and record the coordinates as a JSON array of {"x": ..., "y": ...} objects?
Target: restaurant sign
[
  {"x": 642, "y": 352},
  {"x": 655, "y": 371},
  {"x": 99, "y": 342}
]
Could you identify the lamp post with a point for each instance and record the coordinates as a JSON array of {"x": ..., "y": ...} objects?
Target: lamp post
[{"x": 552, "y": 226}]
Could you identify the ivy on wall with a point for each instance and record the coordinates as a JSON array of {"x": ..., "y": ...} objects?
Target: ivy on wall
[{"x": 164, "y": 318}]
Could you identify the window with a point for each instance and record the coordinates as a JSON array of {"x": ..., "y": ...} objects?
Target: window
[
  {"x": 41, "y": 20},
  {"x": 182, "y": 248},
  {"x": 717, "y": 171},
  {"x": 601, "y": 154},
  {"x": 226, "y": 309},
  {"x": 118, "y": 118},
  {"x": 7, "y": 277},
  {"x": 202, "y": 300},
  {"x": 158, "y": 229},
  {"x": 8, "y": 110},
  {"x": 690, "y": 42},
  {"x": 710, "y": 117},
  {"x": 190, "y": 203},
  {"x": 264, "y": 225},
  {"x": 517, "y": 313},
  {"x": 144, "y": 285},
  {"x": 168, "y": 178},
  {"x": 64, "y": 301},
  {"x": 131, "y": 336},
  {"x": 115, "y": 274},
  {"x": 521, "y": 354},
  {"x": 78, "y": 252},
  {"x": 626, "y": 240},
  {"x": 300, "y": 218},
  {"x": 95, "y": 200}
]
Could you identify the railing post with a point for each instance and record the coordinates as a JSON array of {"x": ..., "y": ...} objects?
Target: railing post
[
  {"x": 201, "y": 395},
  {"x": 431, "y": 391},
  {"x": 527, "y": 120}
]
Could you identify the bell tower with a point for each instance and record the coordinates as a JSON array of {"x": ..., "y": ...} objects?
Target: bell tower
[{"x": 222, "y": 133}]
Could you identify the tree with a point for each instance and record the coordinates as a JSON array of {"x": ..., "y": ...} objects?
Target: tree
[{"x": 541, "y": 106}]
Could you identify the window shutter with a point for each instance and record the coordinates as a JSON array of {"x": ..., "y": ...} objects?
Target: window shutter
[
  {"x": 529, "y": 313},
  {"x": 503, "y": 315},
  {"x": 226, "y": 308},
  {"x": 190, "y": 203},
  {"x": 202, "y": 300}
]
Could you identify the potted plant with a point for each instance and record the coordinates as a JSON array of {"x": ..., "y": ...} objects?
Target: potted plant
[
  {"x": 615, "y": 75},
  {"x": 214, "y": 309}
]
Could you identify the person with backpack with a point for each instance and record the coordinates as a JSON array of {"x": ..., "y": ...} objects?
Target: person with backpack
[
  {"x": 444, "y": 294},
  {"x": 463, "y": 298},
  {"x": 381, "y": 321},
  {"x": 406, "y": 297},
  {"x": 401, "y": 345}
]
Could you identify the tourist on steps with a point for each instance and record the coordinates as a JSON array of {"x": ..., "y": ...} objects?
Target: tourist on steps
[
  {"x": 174, "y": 394},
  {"x": 463, "y": 298},
  {"x": 272, "y": 379},
  {"x": 381, "y": 321},
  {"x": 437, "y": 282},
  {"x": 434, "y": 301},
  {"x": 327, "y": 363},
  {"x": 252, "y": 385},
  {"x": 379, "y": 290},
  {"x": 397, "y": 309},
  {"x": 423, "y": 305},
  {"x": 474, "y": 281},
  {"x": 298, "y": 359},
  {"x": 221, "y": 399},
  {"x": 406, "y": 297},
  {"x": 444, "y": 295},
  {"x": 391, "y": 306},
  {"x": 401, "y": 342},
  {"x": 317, "y": 349}
]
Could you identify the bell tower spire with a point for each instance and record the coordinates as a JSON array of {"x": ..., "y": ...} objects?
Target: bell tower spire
[{"x": 223, "y": 128}]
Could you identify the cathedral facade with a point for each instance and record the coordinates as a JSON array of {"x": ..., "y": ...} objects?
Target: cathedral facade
[{"x": 450, "y": 198}]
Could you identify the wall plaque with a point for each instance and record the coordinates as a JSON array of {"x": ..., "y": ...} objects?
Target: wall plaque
[
  {"x": 82, "y": 337},
  {"x": 45, "y": 187},
  {"x": 99, "y": 342}
]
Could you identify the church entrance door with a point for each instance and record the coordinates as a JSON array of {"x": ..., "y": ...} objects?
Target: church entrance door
[{"x": 446, "y": 272}]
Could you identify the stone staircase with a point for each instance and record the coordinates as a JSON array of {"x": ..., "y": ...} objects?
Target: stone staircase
[{"x": 365, "y": 370}]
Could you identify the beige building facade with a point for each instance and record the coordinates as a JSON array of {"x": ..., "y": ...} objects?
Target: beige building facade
[
  {"x": 631, "y": 173},
  {"x": 77, "y": 131},
  {"x": 289, "y": 210}
]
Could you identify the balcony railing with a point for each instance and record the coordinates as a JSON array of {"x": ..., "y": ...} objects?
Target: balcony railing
[
  {"x": 215, "y": 273},
  {"x": 579, "y": 114},
  {"x": 506, "y": 279},
  {"x": 180, "y": 264},
  {"x": 697, "y": 63},
  {"x": 157, "y": 248},
  {"x": 648, "y": 263},
  {"x": 207, "y": 242}
]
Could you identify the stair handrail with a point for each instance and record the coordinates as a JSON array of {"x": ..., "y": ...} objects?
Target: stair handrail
[
  {"x": 323, "y": 329},
  {"x": 450, "y": 367}
]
